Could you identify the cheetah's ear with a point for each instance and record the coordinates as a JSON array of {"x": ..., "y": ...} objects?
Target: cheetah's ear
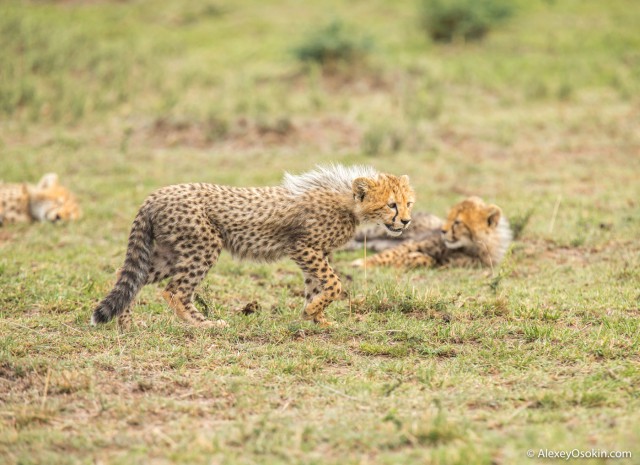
[
  {"x": 48, "y": 180},
  {"x": 493, "y": 215},
  {"x": 361, "y": 186},
  {"x": 404, "y": 179}
]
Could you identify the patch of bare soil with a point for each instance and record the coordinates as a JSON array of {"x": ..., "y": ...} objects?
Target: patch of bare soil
[
  {"x": 355, "y": 80},
  {"x": 473, "y": 147},
  {"x": 568, "y": 255},
  {"x": 323, "y": 134},
  {"x": 82, "y": 2},
  {"x": 556, "y": 143},
  {"x": 5, "y": 236},
  {"x": 579, "y": 255},
  {"x": 14, "y": 380}
]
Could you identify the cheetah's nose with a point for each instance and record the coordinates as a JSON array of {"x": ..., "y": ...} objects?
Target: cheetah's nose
[{"x": 405, "y": 222}]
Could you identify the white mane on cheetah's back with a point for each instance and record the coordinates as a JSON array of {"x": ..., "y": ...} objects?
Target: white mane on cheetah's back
[{"x": 336, "y": 178}]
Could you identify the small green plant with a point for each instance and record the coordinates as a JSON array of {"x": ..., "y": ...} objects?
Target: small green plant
[
  {"x": 199, "y": 11},
  {"x": 462, "y": 20},
  {"x": 565, "y": 91},
  {"x": 373, "y": 141},
  {"x": 519, "y": 222},
  {"x": 334, "y": 44}
]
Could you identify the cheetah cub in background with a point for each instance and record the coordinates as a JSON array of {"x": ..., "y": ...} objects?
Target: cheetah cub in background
[
  {"x": 45, "y": 201},
  {"x": 474, "y": 234},
  {"x": 180, "y": 231}
]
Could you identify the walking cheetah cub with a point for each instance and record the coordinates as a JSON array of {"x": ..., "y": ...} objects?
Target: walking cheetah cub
[
  {"x": 474, "y": 233},
  {"x": 45, "y": 201},
  {"x": 180, "y": 231}
]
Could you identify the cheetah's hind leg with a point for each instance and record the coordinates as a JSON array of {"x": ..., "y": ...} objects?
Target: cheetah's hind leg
[
  {"x": 124, "y": 319},
  {"x": 188, "y": 273}
]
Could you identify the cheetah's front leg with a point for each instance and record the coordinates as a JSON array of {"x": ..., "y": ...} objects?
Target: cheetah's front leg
[{"x": 322, "y": 285}]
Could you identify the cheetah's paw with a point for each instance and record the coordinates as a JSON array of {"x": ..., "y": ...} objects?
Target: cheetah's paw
[{"x": 214, "y": 324}]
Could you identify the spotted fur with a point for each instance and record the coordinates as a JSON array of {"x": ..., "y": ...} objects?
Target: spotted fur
[
  {"x": 180, "y": 231},
  {"x": 473, "y": 234},
  {"x": 45, "y": 201}
]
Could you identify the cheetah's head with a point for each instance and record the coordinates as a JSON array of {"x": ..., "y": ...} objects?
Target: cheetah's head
[
  {"x": 385, "y": 200},
  {"x": 49, "y": 201},
  {"x": 470, "y": 222}
]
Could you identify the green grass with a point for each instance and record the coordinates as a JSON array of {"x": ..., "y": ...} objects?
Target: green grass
[{"x": 444, "y": 366}]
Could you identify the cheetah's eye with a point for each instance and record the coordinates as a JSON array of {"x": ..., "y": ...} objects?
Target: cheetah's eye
[
  {"x": 409, "y": 204},
  {"x": 456, "y": 223},
  {"x": 392, "y": 205}
]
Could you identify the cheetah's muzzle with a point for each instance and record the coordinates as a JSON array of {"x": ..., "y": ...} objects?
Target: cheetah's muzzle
[{"x": 393, "y": 231}]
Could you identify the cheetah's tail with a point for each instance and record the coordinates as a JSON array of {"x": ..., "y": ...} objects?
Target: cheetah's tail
[{"x": 133, "y": 274}]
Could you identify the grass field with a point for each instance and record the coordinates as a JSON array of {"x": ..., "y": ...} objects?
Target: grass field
[{"x": 449, "y": 366}]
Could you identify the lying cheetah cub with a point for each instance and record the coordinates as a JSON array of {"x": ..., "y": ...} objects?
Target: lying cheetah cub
[
  {"x": 45, "y": 201},
  {"x": 180, "y": 231},
  {"x": 474, "y": 233}
]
